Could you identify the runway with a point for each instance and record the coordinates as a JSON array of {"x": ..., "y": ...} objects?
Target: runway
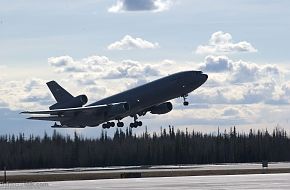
[
  {"x": 157, "y": 168},
  {"x": 72, "y": 174},
  {"x": 226, "y": 182}
]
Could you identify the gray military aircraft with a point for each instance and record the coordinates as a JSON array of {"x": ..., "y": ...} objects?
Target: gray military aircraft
[{"x": 152, "y": 97}]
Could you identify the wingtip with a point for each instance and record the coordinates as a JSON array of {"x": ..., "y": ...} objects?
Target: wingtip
[{"x": 24, "y": 112}]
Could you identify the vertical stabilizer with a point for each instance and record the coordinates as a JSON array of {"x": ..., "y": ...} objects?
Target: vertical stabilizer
[{"x": 59, "y": 93}]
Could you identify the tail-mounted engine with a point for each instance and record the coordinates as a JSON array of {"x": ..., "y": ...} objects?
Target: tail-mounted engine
[{"x": 74, "y": 102}]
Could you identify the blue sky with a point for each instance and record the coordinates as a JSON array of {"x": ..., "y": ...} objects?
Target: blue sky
[{"x": 244, "y": 50}]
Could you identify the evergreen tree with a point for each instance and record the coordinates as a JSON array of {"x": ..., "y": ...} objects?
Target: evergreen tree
[{"x": 124, "y": 148}]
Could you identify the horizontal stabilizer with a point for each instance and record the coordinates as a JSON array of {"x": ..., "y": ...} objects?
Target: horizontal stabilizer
[{"x": 67, "y": 126}]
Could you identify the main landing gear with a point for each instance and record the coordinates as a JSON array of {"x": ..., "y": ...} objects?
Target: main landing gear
[
  {"x": 108, "y": 125},
  {"x": 136, "y": 123},
  {"x": 112, "y": 124},
  {"x": 185, "y": 103},
  {"x": 120, "y": 124}
]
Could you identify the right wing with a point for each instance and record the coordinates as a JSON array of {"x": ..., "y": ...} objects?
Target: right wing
[
  {"x": 67, "y": 110},
  {"x": 112, "y": 110}
]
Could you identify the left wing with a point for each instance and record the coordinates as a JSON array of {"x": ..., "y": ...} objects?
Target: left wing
[{"x": 47, "y": 118}]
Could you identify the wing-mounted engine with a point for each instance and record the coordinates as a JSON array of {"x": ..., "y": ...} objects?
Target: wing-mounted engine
[
  {"x": 161, "y": 108},
  {"x": 73, "y": 102}
]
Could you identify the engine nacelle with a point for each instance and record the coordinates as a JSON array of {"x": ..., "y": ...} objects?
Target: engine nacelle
[
  {"x": 75, "y": 102},
  {"x": 161, "y": 108}
]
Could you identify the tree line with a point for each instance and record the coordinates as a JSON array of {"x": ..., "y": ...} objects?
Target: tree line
[{"x": 169, "y": 146}]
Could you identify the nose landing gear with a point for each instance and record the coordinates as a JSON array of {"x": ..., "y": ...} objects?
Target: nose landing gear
[{"x": 185, "y": 103}]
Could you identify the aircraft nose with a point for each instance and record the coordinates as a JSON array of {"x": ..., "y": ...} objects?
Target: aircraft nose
[{"x": 204, "y": 77}]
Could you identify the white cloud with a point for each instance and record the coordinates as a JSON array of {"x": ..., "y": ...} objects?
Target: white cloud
[
  {"x": 128, "y": 43},
  {"x": 28, "y": 94},
  {"x": 102, "y": 67},
  {"x": 126, "y": 70},
  {"x": 101, "y": 72},
  {"x": 286, "y": 88},
  {"x": 216, "y": 64},
  {"x": 140, "y": 5},
  {"x": 221, "y": 42},
  {"x": 241, "y": 71},
  {"x": 249, "y": 72},
  {"x": 230, "y": 82},
  {"x": 239, "y": 82},
  {"x": 242, "y": 94},
  {"x": 64, "y": 64},
  {"x": 138, "y": 82},
  {"x": 237, "y": 92},
  {"x": 96, "y": 76}
]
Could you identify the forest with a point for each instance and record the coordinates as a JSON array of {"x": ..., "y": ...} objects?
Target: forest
[{"x": 168, "y": 146}]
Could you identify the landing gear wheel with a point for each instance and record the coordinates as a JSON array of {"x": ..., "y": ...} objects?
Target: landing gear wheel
[
  {"x": 139, "y": 123},
  {"x": 133, "y": 125},
  {"x": 120, "y": 124},
  {"x": 136, "y": 123},
  {"x": 108, "y": 125},
  {"x": 112, "y": 124},
  {"x": 105, "y": 126},
  {"x": 185, "y": 103}
]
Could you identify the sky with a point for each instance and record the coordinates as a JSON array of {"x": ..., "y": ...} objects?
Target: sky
[{"x": 102, "y": 47}]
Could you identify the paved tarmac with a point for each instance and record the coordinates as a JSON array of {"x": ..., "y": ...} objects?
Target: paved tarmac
[
  {"x": 226, "y": 182},
  {"x": 117, "y": 169}
]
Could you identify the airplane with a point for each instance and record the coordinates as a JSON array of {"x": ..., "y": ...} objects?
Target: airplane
[{"x": 152, "y": 97}]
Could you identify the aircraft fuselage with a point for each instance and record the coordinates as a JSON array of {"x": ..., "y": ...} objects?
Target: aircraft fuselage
[
  {"x": 152, "y": 97},
  {"x": 153, "y": 93}
]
